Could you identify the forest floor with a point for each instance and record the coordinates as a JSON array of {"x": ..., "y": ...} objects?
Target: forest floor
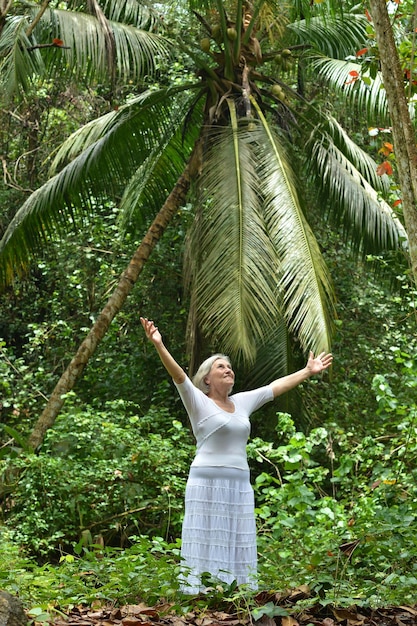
[{"x": 284, "y": 610}]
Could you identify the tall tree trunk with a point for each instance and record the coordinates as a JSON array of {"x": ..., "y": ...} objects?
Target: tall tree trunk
[
  {"x": 127, "y": 280},
  {"x": 404, "y": 135},
  {"x": 38, "y": 17},
  {"x": 4, "y": 8}
]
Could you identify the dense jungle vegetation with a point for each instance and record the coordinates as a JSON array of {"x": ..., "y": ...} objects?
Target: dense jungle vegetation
[{"x": 93, "y": 513}]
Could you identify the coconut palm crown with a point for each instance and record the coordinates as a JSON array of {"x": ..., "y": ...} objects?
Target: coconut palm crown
[{"x": 257, "y": 147}]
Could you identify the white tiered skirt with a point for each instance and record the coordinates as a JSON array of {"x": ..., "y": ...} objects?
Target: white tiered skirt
[{"x": 219, "y": 532}]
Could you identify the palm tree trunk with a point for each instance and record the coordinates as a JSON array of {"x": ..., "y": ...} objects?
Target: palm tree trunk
[
  {"x": 114, "y": 304},
  {"x": 402, "y": 128}
]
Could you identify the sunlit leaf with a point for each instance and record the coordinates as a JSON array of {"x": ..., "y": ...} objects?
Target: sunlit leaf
[
  {"x": 348, "y": 179},
  {"x": 332, "y": 36},
  {"x": 303, "y": 278},
  {"x": 231, "y": 255}
]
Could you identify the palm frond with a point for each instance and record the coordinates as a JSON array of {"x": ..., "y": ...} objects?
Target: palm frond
[
  {"x": 123, "y": 140},
  {"x": 85, "y": 50},
  {"x": 303, "y": 278},
  {"x": 18, "y": 63},
  {"x": 369, "y": 97},
  {"x": 229, "y": 250},
  {"x": 136, "y": 126},
  {"x": 132, "y": 12},
  {"x": 273, "y": 358},
  {"x": 361, "y": 160},
  {"x": 367, "y": 219},
  {"x": 137, "y": 51},
  {"x": 332, "y": 36},
  {"x": 154, "y": 179}
]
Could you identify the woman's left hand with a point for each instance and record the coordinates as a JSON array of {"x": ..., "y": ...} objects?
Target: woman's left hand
[{"x": 319, "y": 363}]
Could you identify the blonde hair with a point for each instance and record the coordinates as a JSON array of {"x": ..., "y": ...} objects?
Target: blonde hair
[{"x": 204, "y": 370}]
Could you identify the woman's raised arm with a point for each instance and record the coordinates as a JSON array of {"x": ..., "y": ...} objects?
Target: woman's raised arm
[
  {"x": 315, "y": 365},
  {"x": 174, "y": 370}
]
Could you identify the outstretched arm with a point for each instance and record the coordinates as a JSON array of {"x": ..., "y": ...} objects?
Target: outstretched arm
[
  {"x": 174, "y": 370},
  {"x": 315, "y": 365}
]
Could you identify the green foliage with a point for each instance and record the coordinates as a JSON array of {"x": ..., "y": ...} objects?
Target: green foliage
[
  {"x": 101, "y": 475},
  {"x": 43, "y": 320},
  {"x": 375, "y": 317},
  {"x": 339, "y": 510}
]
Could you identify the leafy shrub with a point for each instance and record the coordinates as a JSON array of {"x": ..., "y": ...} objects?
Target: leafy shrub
[
  {"x": 338, "y": 511},
  {"x": 105, "y": 474}
]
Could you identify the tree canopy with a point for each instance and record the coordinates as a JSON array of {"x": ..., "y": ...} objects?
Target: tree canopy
[{"x": 260, "y": 146}]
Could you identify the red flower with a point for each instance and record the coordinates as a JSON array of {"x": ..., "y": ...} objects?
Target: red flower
[
  {"x": 355, "y": 76},
  {"x": 384, "y": 168}
]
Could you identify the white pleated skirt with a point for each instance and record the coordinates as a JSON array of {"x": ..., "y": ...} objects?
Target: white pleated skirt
[{"x": 219, "y": 531}]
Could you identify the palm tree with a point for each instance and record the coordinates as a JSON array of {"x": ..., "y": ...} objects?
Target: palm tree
[{"x": 231, "y": 142}]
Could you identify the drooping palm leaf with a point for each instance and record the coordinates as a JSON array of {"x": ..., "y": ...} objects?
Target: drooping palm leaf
[
  {"x": 111, "y": 153},
  {"x": 137, "y": 51},
  {"x": 156, "y": 176},
  {"x": 332, "y": 36},
  {"x": 273, "y": 358},
  {"x": 229, "y": 252},
  {"x": 84, "y": 52},
  {"x": 361, "y": 160},
  {"x": 18, "y": 64},
  {"x": 302, "y": 277},
  {"x": 132, "y": 12},
  {"x": 353, "y": 201},
  {"x": 135, "y": 126},
  {"x": 368, "y": 97}
]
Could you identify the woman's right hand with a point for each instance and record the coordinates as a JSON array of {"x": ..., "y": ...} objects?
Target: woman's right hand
[{"x": 151, "y": 330}]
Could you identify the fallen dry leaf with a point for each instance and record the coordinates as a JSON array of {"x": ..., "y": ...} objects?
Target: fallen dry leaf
[
  {"x": 163, "y": 614},
  {"x": 409, "y": 610},
  {"x": 131, "y": 621},
  {"x": 352, "y": 617}
]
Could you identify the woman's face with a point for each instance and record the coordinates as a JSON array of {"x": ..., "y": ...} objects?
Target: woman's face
[{"x": 221, "y": 373}]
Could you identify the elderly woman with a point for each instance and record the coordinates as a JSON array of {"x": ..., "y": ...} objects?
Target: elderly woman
[{"x": 219, "y": 533}]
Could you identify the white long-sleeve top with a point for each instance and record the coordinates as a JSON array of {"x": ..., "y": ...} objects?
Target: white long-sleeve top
[{"x": 221, "y": 436}]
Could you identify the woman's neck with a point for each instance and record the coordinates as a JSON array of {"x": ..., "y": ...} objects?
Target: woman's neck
[{"x": 219, "y": 398}]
